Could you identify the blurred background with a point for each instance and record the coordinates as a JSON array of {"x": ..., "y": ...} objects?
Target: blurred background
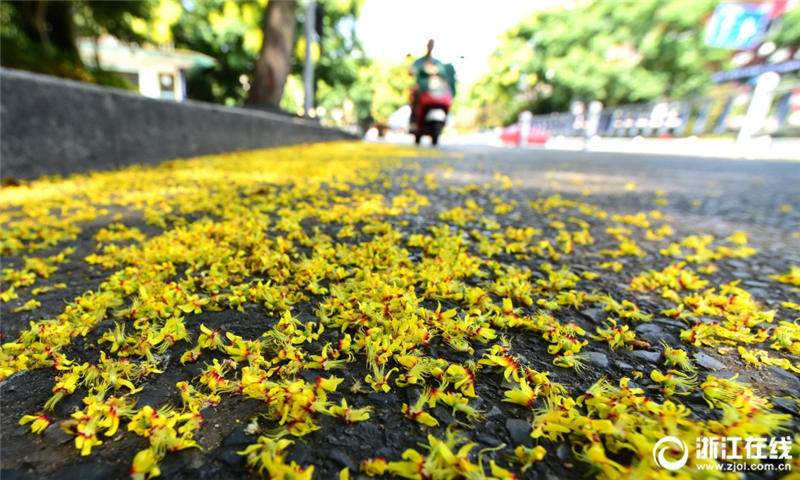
[{"x": 528, "y": 72}]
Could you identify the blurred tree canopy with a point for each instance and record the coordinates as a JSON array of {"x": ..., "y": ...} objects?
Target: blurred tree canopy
[
  {"x": 391, "y": 85},
  {"x": 787, "y": 32},
  {"x": 607, "y": 50},
  {"x": 338, "y": 62},
  {"x": 231, "y": 32},
  {"x": 228, "y": 31},
  {"x": 378, "y": 90},
  {"x": 40, "y": 35}
]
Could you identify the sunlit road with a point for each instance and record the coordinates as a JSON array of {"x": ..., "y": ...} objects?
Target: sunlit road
[
  {"x": 710, "y": 194},
  {"x": 763, "y": 148}
]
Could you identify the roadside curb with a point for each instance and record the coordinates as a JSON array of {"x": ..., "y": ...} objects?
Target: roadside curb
[{"x": 56, "y": 126}]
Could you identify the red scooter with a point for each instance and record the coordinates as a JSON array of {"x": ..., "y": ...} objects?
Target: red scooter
[{"x": 431, "y": 109}]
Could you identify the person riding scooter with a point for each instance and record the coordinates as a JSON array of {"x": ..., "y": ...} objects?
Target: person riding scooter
[{"x": 432, "y": 92}]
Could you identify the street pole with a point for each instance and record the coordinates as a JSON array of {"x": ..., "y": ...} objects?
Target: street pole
[
  {"x": 759, "y": 106},
  {"x": 308, "y": 64},
  {"x": 592, "y": 122}
]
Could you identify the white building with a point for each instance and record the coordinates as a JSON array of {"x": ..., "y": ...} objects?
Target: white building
[{"x": 158, "y": 72}]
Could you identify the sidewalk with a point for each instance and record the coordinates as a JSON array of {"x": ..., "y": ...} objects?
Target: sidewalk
[{"x": 760, "y": 148}]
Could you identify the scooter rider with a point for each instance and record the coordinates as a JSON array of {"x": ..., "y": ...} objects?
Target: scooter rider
[{"x": 422, "y": 70}]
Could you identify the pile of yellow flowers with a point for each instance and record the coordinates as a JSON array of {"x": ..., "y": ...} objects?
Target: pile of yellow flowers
[{"x": 323, "y": 239}]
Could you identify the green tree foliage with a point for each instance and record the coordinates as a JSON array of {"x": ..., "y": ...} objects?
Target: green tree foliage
[
  {"x": 350, "y": 88},
  {"x": 40, "y": 35},
  {"x": 391, "y": 89},
  {"x": 228, "y": 31},
  {"x": 340, "y": 50},
  {"x": 608, "y": 50},
  {"x": 122, "y": 19},
  {"x": 787, "y": 32},
  {"x": 341, "y": 87},
  {"x": 379, "y": 89}
]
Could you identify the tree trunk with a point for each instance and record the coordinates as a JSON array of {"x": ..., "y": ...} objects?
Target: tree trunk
[
  {"x": 272, "y": 66},
  {"x": 49, "y": 24},
  {"x": 62, "y": 27},
  {"x": 33, "y": 14}
]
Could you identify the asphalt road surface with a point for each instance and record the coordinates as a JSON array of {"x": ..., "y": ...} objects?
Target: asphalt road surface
[{"x": 487, "y": 197}]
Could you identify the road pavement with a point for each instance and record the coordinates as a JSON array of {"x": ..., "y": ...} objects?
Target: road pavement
[{"x": 501, "y": 238}]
